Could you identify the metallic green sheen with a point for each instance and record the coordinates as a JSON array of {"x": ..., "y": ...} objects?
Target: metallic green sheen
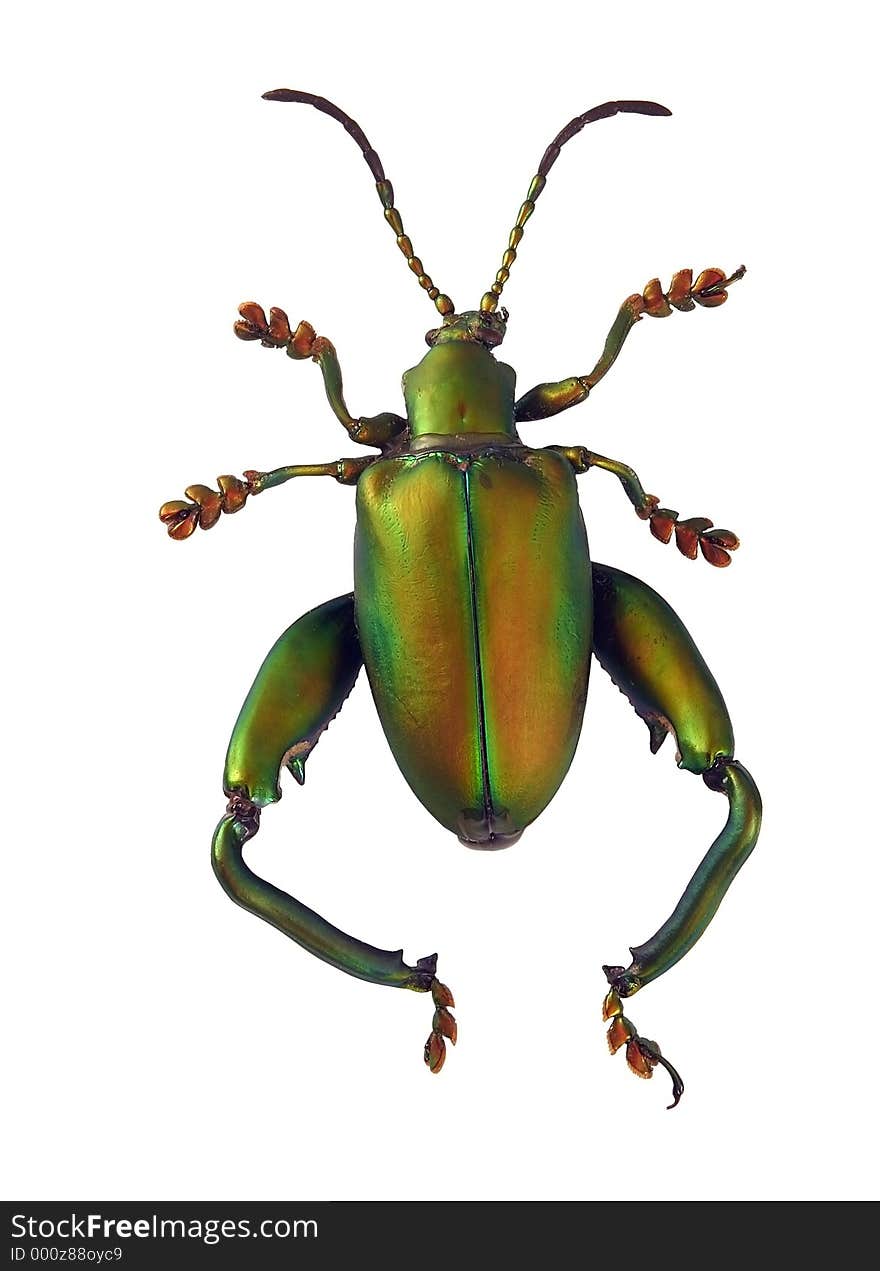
[
  {"x": 458, "y": 387},
  {"x": 646, "y": 649},
  {"x": 534, "y": 618},
  {"x": 415, "y": 622},
  {"x": 301, "y": 685},
  {"x": 300, "y": 688},
  {"x": 708, "y": 887},
  {"x": 476, "y": 612},
  {"x": 643, "y": 644},
  {"x": 473, "y": 603},
  {"x": 299, "y": 922}
]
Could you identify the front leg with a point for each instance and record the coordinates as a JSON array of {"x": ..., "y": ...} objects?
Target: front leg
[
  {"x": 697, "y": 531},
  {"x": 709, "y": 290},
  {"x": 275, "y": 333}
]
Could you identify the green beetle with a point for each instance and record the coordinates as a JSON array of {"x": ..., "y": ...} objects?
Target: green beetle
[{"x": 476, "y": 610}]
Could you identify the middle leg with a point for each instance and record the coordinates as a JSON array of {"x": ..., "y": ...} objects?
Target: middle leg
[
  {"x": 696, "y": 531},
  {"x": 182, "y": 518}
]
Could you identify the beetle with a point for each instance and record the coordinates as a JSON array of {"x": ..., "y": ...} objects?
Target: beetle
[{"x": 476, "y": 611}]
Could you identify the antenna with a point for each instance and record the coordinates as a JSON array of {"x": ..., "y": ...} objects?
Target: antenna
[
  {"x": 384, "y": 188},
  {"x": 490, "y": 300}
]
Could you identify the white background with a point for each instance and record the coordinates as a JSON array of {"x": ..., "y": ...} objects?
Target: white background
[{"x": 163, "y": 1043}]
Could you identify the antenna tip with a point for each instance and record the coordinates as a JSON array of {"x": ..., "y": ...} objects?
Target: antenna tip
[{"x": 644, "y": 108}]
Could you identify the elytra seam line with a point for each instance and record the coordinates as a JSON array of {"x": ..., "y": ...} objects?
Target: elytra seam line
[{"x": 481, "y": 705}]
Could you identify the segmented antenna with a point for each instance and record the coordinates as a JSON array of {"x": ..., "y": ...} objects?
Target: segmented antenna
[
  {"x": 383, "y": 186},
  {"x": 490, "y": 300}
]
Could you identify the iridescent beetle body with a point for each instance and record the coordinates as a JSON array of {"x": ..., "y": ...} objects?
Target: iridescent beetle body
[
  {"x": 476, "y": 611},
  {"x": 506, "y": 600}
]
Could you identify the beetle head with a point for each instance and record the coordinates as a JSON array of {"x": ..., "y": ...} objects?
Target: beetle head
[{"x": 475, "y": 327}]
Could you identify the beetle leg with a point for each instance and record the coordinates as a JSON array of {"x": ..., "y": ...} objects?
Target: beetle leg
[
  {"x": 183, "y": 518},
  {"x": 647, "y": 651},
  {"x": 709, "y": 290},
  {"x": 642, "y": 1055},
  {"x": 298, "y": 691},
  {"x": 275, "y": 333},
  {"x": 697, "y": 531}
]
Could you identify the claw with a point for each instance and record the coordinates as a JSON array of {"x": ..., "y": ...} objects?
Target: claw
[
  {"x": 652, "y": 1053},
  {"x": 642, "y": 1054},
  {"x": 722, "y": 538},
  {"x": 677, "y": 1083},
  {"x": 710, "y": 289}
]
